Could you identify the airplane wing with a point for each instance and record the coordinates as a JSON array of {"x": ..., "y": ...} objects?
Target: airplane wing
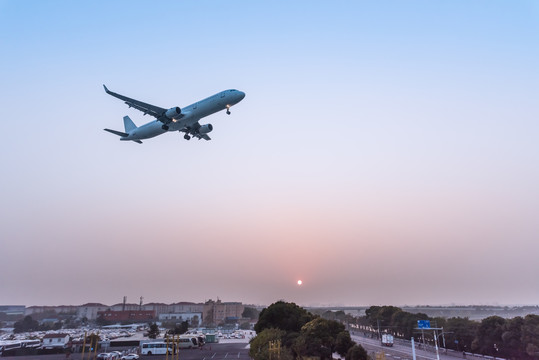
[{"x": 152, "y": 110}]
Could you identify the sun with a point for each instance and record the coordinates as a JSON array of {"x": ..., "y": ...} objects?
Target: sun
[{"x": 300, "y": 282}]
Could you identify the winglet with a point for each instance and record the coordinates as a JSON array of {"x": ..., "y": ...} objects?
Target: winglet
[{"x": 106, "y": 90}]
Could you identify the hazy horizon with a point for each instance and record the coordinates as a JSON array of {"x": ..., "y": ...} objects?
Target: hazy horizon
[
  {"x": 313, "y": 305},
  {"x": 385, "y": 153}
]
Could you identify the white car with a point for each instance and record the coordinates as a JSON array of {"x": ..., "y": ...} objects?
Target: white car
[{"x": 130, "y": 357}]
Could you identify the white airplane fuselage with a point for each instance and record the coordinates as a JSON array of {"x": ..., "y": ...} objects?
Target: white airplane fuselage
[{"x": 190, "y": 115}]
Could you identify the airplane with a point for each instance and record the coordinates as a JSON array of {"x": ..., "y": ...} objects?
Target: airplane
[{"x": 184, "y": 120}]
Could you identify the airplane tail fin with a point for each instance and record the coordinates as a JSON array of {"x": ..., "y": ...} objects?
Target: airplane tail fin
[{"x": 129, "y": 124}]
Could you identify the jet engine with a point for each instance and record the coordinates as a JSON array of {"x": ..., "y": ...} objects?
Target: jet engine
[
  {"x": 173, "y": 113},
  {"x": 204, "y": 129}
]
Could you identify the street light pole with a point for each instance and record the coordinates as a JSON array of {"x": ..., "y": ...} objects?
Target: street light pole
[{"x": 436, "y": 344}]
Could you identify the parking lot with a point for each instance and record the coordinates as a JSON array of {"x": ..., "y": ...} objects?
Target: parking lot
[{"x": 227, "y": 350}]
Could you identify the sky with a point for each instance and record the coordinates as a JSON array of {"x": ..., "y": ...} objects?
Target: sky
[{"x": 386, "y": 153}]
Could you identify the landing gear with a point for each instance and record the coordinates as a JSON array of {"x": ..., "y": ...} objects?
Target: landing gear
[
  {"x": 164, "y": 127},
  {"x": 228, "y": 109},
  {"x": 187, "y": 137}
]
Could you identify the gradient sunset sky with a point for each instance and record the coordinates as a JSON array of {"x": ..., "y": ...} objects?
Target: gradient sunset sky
[{"x": 386, "y": 152}]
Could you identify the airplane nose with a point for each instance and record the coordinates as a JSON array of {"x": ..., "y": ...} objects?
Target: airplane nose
[{"x": 242, "y": 95}]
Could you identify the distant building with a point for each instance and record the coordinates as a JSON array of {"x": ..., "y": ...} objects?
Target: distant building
[
  {"x": 159, "y": 308},
  {"x": 90, "y": 310},
  {"x": 193, "y": 319},
  {"x": 218, "y": 312},
  {"x": 186, "y": 307},
  {"x": 55, "y": 341},
  {"x": 13, "y": 309},
  {"x": 62, "y": 309},
  {"x": 127, "y": 315},
  {"x": 123, "y": 307}
]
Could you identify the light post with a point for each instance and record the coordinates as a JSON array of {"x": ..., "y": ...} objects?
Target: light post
[{"x": 443, "y": 337}]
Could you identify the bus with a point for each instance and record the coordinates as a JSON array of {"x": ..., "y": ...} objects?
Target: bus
[
  {"x": 9, "y": 347},
  {"x": 19, "y": 347},
  {"x": 186, "y": 342},
  {"x": 155, "y": 348}
]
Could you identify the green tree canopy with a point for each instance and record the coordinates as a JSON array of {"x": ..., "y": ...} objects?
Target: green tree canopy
[
  {"x": 383, "y": 314},
  {"x": 250, "y": 312},
  {"x": 357, "y": 352},
  {"x": 460, "y": 333},
  {"x": 154, "y": 331},
  {"x": 284, "y": 316},
  {"x": 321, "y": 337},
  {"x": 179, "y": 329},
  {"x": 26, "y": 324},
  {"x": 530, "y": 335},
  {"x": 260, "y": 345},
  {"x": 488, "y": 338}
]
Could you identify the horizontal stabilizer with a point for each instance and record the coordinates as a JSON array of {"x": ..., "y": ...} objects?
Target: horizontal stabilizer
[{"x": 119, "y": 133}]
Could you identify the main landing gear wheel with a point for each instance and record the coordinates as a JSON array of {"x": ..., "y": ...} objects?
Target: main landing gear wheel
[
  {"x": 187, "y": 137},
  {"x": 164, "y": 127}
]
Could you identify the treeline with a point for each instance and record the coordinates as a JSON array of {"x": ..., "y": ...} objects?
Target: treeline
[
  {"x": 516, "y": 338},
  {"x": 29, "y": 324},
  {"x": 286, "y": 331}
]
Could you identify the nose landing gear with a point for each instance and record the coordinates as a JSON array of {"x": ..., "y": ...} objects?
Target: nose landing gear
[{"x": 228, "y": 109}]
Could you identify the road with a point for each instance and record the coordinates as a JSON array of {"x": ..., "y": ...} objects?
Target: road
[{"x": 398, "y": 351}]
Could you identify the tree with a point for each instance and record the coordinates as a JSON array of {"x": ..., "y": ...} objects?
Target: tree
[
  {"x": 403, "y": 322},
  {"x": 250, "y": 312},
  {"x": 101, "y": 321},
  {"x": 460, "y": 333},
  {"x": 357, "y": 352},
  {"x": 343, "y": 343},
  {"x": 512, "y": 338},
  {"x": 260, "y": 345},
  {"x": 26, "y": 324},
  {"x": 530, "y": 335},
  {"x": 321, "y": 337},
  {"x": 284, "y": 316},
  {"x": 383, "y": 314},
  {"x": 179, "y": 329},
  {"x": 488, "y": 340},
  {"x": 57, "y": 325},
  {"x": 154, "y": 331}
]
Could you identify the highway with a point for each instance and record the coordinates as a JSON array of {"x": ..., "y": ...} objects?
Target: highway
[{"x": 400, "y": 351}]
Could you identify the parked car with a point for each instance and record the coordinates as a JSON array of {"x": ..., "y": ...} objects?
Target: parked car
[
  {"x": 130, "y": 357},
  {"x": 103, "y": 356}
]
